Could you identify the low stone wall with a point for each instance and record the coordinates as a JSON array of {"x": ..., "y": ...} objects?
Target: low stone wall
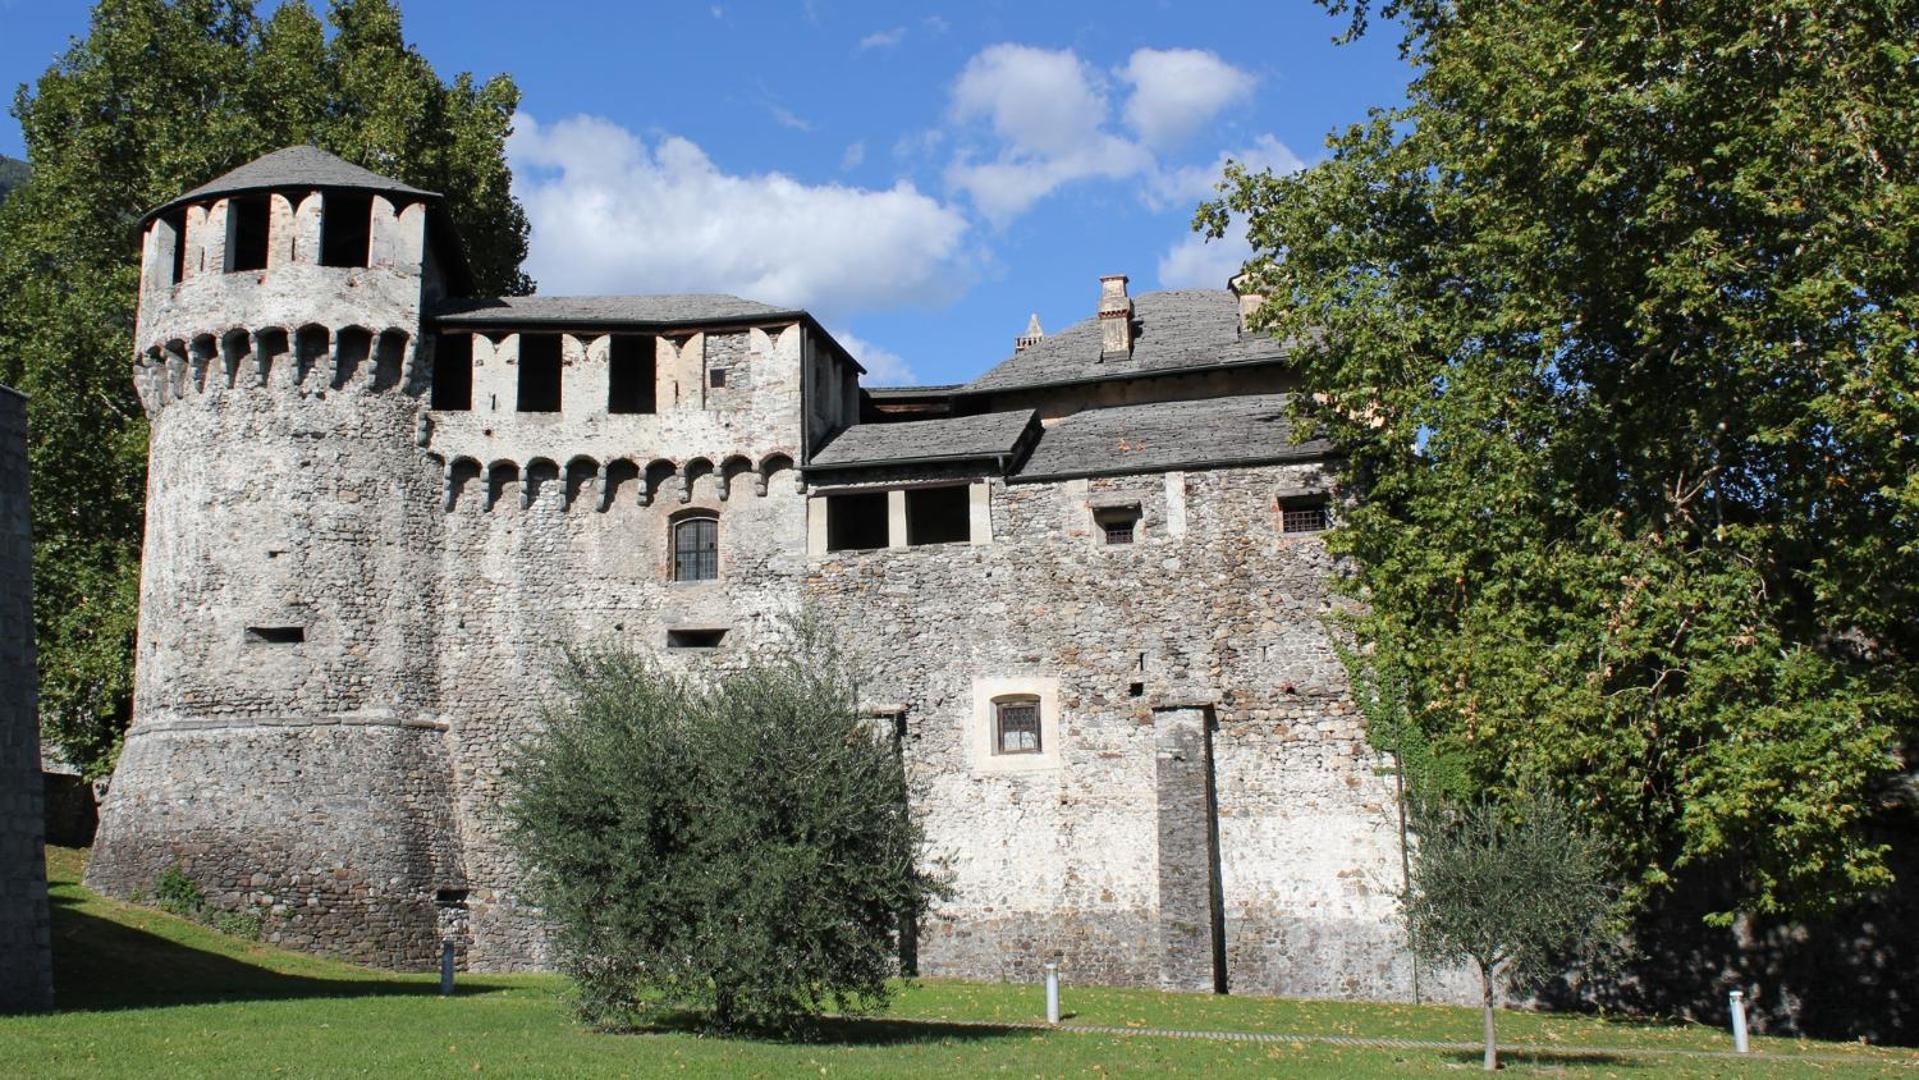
[{"x": 26, "y": 970}]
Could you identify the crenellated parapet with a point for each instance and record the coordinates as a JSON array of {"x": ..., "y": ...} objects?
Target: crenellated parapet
[{"x": 588, "y": 483}]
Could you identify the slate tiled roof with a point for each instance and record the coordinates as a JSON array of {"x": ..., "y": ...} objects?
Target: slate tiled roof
[
  {"x": 1183, "y": 328},
  {"x": 295, "y": 167},
  {"x": 954, "y": 438},
  {"x": 662, "y": 310},
  {"x": 1169, "y": 435}
]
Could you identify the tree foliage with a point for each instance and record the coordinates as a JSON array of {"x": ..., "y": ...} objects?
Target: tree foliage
[
  {"x": 157, "y": 98},
  {"x": 1616, "y": 318},
  {"x": 740, "y": 844},
  {"x": 1515, "y": 892}
]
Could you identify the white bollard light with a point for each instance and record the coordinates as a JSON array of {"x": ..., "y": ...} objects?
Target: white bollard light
[
  {"x": 1739, "y": 1043},
  {"x": 1052, "y": 992}
]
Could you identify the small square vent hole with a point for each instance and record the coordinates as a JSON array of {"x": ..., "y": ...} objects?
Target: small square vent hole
[
  {"x": 695, "y": 639},
  {"x": 276, "y": 635}
]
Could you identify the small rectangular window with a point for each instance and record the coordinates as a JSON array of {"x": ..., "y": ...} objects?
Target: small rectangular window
[
  {"x": 539, "y": 373},
  {"x": 247, "y": 224},
  {"x": 716, "y": 378},
  {"x": 453, "y": 371},
  {"x": 629, "y": 374},
  {"x": 941, "y": 515},
  {"x": 856, "y": 521},
  {"x": 696, "y": 549},
  {"x": 1302, "y": 516},
  {"x": 346, "y": 228},
  {"x": 1117, "y": 524},
  {"x": 1016, "y": 726},
  {"x": 276, "y": 635},
  {"x": 695, "y": 639}
]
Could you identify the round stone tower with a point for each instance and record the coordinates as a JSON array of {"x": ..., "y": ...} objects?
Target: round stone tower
[{"x": 285, "y": 752}]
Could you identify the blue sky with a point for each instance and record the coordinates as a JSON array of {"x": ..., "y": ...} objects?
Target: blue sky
[{"x": 920, "y": 177}]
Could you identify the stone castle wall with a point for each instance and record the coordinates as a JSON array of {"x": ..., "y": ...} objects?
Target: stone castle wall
[
  {"x": 1197, "y": 649},
  {"x": 26, "y": 975}
]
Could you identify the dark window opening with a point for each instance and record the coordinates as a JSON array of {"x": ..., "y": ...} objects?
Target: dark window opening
[
  {"x": 716, "y": 378},
  {"x": 694, "y": 639},
  {"x": 539, "y": 373},
  {"x": 1137, "y": 689},
  {"x": 346, "y": 228},
  {"x": 276, "y": 635},
  {"x": 450, "y": 898},
  {"x": 856, "y": 522},
  {"x": 177, "y": 221},
  {"x": 941, "y": 515},
  {"x": 696, "y": 549},
  {"x": 629, "y": 374},
  {"x": 1302, "y": 517},
  {"x": 453, "y": 371},
  {"x": 1117, "y": 524},
  {"x": 247, "y": 225},
  {"x": 1016, "y": 725}
]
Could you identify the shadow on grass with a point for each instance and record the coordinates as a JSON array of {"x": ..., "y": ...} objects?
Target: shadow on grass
[
  {"x": 100, "y": 964},
  {"x": 1549, "y": 1059},
  {"x": 839, "y": 1031}
]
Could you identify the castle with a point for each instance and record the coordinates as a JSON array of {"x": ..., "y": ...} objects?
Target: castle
[{"x": 1089, "y": 585}]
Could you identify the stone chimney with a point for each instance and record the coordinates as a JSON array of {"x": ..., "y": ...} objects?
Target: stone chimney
[
  {"x": 1248, "y": 301},
  {"x": 1115, "y": 318},
  {"x": 1031, "y": 337}
]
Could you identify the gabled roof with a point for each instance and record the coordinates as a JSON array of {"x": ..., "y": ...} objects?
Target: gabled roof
[
  {"x": 948, "y": 439},
  {"x": 677, "y": 309},
  {"x": 1165, "y": 435},
  {"x": 1186, "y": 328},
  {"x": 295, "y": 167}
]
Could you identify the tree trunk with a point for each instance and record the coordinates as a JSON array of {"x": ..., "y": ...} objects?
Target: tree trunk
[{"x": 1486, "y": 999}]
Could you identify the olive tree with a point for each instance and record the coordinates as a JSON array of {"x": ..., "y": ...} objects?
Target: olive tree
[
  {"x": 737, "y": 841},
  {"x": 1511, "y": 890}
]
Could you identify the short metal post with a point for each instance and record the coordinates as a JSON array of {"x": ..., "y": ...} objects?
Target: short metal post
[
  {"x": 1739, "y": 1043},
  {"x": 446, "y": 968},
  {"x": 1052, "y": 991}
]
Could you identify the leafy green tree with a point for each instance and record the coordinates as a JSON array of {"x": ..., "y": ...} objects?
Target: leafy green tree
[
  {"x": 739, "y": 843},
  {"x": 158, "y": 97},
  {"x": 1514, "y": 892},
  {"x": 1616, "y": 318}
]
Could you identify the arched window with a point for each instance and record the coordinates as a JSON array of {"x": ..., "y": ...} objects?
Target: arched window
[{"x": 696, "y": 548}]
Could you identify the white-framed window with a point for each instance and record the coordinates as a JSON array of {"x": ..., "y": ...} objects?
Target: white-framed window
[
  {"x": 1016, "y": 728},
  {"x": 1016, "y": 724}
]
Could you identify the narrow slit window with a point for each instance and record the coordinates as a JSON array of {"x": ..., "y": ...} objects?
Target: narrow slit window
[
  {"x": 276, "y": 635},
  {"x": 856, "y": 521},
  {"x": 346, "y": 228},
  {"x": 696, "y": 549},
  {"x": 941, "y": 515},
  {"x": 539, "y": 373},
  {"x": 630, "y": 374},
  {"x": 247, "y": 225},
  {"x": 177, "y": 221},
  {"x": 453, "y": 372},
  {"x": 1016, "y": 725}
]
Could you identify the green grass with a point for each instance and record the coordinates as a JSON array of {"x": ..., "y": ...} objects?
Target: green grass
[{"x": 144, "y": 993}]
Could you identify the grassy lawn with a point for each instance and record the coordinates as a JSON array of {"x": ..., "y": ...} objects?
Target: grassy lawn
[{"x": 143, "y": 993}]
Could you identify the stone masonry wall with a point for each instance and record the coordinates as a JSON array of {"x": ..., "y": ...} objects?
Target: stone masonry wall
[{"x": 26, "y": 973}]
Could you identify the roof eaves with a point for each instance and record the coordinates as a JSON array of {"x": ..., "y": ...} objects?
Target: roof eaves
[
  {"x": 972, "y": 390},
  {"x": 1305, "y": 453}
]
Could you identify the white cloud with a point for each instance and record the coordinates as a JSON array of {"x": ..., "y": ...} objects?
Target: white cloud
[
  {"x": 883, "y": 39},
  {"x": 1176, "y": 92},
  {"x": 787, "y": 118},
  {"x": 884, "y": 367},
  {"x": 612, "y": 214},
  {"x": 1196, "y": 263},
  {"x": 1189, "y": 184},
  {"x": 854, "y": 154},
  {"x": 1047, "y": 109}
]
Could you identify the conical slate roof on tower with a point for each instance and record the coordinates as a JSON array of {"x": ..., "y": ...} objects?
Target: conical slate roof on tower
[{"x": 295, "y": 167}]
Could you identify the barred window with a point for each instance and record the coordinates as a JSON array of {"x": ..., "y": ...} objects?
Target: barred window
[
  {"x": 1302, "y": 517},
  {"x": 696, "y": 549},
  {"x": 1016, "y": 725}
]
